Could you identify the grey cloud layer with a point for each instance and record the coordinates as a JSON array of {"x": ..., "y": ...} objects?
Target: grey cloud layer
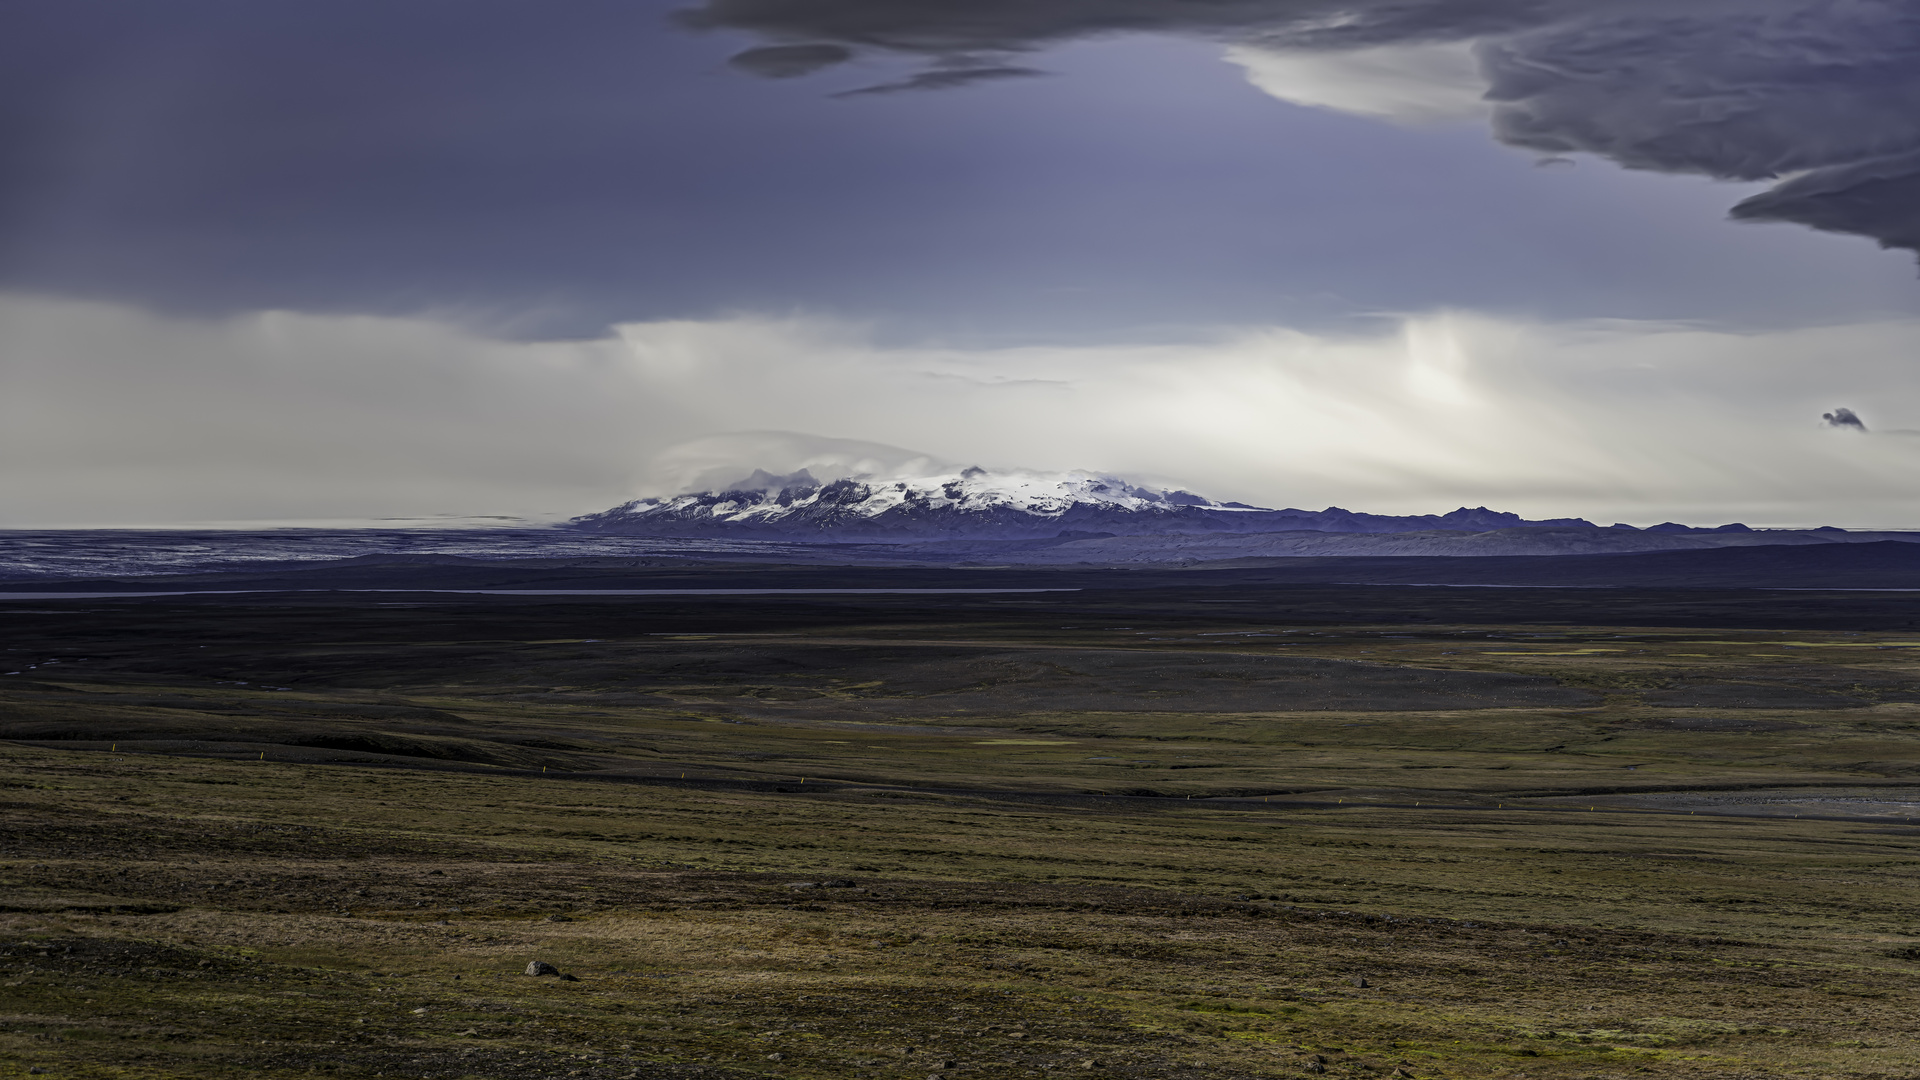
[
  {"x": 963, "y": 26},
  {"x": 790, "y": 61},
  {"x": 114, "y": 416},
  {"x": 551, "y": 175},
  {"x": 1878, "y": 198},
  {"x": 945, "y": 79},
  {"x": 1751, "y": 90},
  {"x": 1827, "y": 91},
  {"x": 547, "y": 176}
]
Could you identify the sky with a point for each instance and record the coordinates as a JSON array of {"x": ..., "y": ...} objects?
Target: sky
[{"x": 269, "y": 260}]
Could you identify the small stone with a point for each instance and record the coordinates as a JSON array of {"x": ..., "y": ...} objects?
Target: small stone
[
  {"x": 776, "y": 1057},
  {"x": 1090, "y": 1063},
  {"x": 1361, "y": 981},
  {"x": 559, "y": 918},
  {"x": 541, "y": 967},
  {"x": 568, "y": 978}
]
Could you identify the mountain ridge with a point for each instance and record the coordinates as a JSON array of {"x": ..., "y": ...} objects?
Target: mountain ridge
[{"x": 973, "y": 503}]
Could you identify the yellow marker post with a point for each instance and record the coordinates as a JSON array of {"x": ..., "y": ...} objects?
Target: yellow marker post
[{"x": 263, "y": 755}]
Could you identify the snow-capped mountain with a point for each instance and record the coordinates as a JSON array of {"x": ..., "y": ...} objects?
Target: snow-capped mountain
[{"x": 976, "y": 504}]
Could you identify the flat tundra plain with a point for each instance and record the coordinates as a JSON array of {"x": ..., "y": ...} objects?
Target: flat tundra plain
[{"x": 975, "y": 837}]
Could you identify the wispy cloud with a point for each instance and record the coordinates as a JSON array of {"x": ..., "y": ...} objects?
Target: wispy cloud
[{"x": 946, "y": 79}]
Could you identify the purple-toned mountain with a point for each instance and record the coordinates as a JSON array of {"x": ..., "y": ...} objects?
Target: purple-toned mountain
[{"x": 976, "y": 504}]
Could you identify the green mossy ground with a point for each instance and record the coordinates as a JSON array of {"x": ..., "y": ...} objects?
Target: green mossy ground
[{"x": 194, "y": 883}]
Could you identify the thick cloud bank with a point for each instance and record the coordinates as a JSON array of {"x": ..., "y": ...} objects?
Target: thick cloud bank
[
  {"x": 547, "y": 176},
  {"x": 959, "y": 27},
  {"x": 112, "y": 416},
  {"x": 1828, "y": 93}
]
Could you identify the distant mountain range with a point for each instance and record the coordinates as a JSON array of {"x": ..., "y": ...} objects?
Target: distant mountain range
[
  {"x": 977, "y": 505},
  {"x": 796, "y": 532},
  {"x": 974, "y": 504}
]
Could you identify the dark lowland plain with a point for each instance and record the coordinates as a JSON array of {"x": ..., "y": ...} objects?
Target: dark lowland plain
[{"x": 1202, "y": 825}]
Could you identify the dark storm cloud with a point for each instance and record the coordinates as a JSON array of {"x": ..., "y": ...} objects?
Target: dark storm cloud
[
  {"x": 1827, "y": 93},
  {"x": 1878, "y": 198},
  {"x": 790, "y": 61},
  {"x": 1748, "y": 94},
  {"x": 1748, "y": 90},
  {"x": 971, "y": 26},
  {"x": 945, "y": 79},
  {"x": 493, "y": 160},
  {"x": 545, "y": 174}
]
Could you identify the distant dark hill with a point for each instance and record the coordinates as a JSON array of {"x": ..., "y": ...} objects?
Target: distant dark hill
[
  {"x": 1884, "y": 564},
  {"x": 1872, "y": 565}
]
